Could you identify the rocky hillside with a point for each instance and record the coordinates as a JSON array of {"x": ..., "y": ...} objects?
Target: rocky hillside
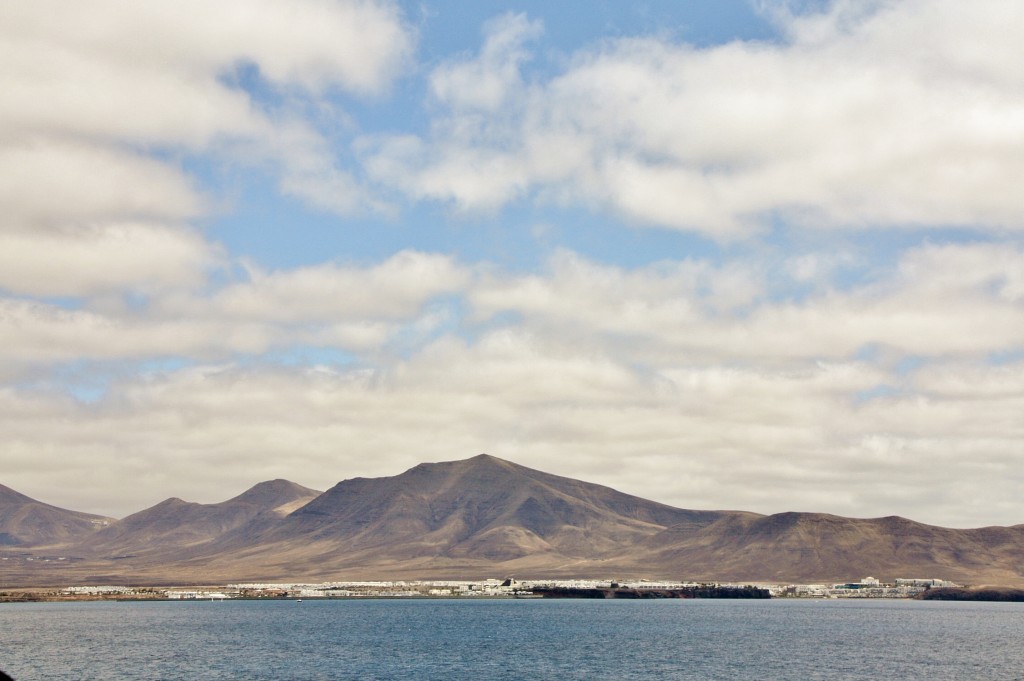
[
  {"x": 25, "y": 522},
  {"x": 486, "y": 517}
]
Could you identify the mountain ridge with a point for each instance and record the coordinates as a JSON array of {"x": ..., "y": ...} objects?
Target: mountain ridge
[
  {"x": 176, "y": 525},
  {"x": 26, "y": 522},
  {"x": 485, "y": 517}
]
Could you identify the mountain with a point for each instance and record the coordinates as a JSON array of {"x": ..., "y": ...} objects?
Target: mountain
[
  {"x": 811, "y": 547},
  {"x": 466, "y": 518},
  {"x": 463, "y": 518},
  {"x": 173, "y": 525},
  {"x": 486, "y": 517},
  {"x": 483, "y": 507},
  {"x": 27, "y": 523}
]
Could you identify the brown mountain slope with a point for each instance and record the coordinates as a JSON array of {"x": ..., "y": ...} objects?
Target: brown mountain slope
[
  {"x": 475, "y": 517},
  {"x": 485, "y": 517},
  {"x": 482, "y": 506},
  {"x": 27, "y": 523},
  {"x": 174, "y": 525},
  {"x": 803, "y": 547}
]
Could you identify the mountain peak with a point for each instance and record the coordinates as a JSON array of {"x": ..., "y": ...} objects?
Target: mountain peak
[
  {"x": 175, "y": 525},
  {"x": 482, "y": 467},
  {"x": 484, "y": 462},
  {"x": 482, "y": 507},
  {"x": 492, "y": 462},
  {"x": 480, "y": 460},
  {"x": 274, "y": 493},
  {"x": 486, "y": 458}
]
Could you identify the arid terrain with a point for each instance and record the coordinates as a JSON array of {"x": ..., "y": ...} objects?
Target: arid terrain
[{"x": 479, "y": 517}]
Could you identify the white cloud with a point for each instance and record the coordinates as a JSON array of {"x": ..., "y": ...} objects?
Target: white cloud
[
  {"x": 57, "y": 182},
  {"x": 394, "y": 288},
  {"x": 694, "y": 436},
  {"x": 651, "y": 380},
  {"x": 314, "y": 44},
  {"x": 486, "y": 95},
  {"x": 939, "y": 302},
  {"x": 489, "y": 82},
  {"x": 997, "y": 385},
  {"x": 700, "y": 383},
  {"x": 84, "y": 218},
  {"x": 907, "y": 114},
  {"x": 100, "y": 102},
  {"x": 38, "y": 334},
  {"x": 356, "y": 308},
  {"x": 942, "y": 300},
  {"x": 103, "y": 259}
]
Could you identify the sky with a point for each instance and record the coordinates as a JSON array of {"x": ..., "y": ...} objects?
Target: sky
[{"x": 720, "y": 254}]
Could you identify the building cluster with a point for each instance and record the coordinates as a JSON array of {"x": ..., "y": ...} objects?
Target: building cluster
[
  {"x": 488, "y": 588},
  {"x": 869, "y": 587},
  {"x": 193, "y": 595},
  {"x": 383, "y": 589},
  {"x": 98, "y": 590}
]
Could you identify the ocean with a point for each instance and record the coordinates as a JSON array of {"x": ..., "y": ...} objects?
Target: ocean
[{"x": 455, "y": 640}]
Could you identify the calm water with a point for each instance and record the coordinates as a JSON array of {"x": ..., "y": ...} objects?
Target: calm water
[{"x": 532, "y": 639}]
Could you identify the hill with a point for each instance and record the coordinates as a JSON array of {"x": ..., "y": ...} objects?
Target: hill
[
  {"x": 808, "y": 547},
  {"x": 475, "y": 517},
  {"x": 25, "y": 522},
  {"x": 486, "y": 517},
  {"x": 165, "y": 531}
]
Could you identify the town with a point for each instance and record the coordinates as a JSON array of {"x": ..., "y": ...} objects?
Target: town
[{"x": 869, "y": 587}]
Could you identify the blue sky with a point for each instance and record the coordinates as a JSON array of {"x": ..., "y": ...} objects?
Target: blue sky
[
  {"x": 754, "y": 255},
  {"x": 260, "y": 221}
]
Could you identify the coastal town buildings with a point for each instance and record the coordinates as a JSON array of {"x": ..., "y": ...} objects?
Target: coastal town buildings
[{"x": 868, "y": 587}]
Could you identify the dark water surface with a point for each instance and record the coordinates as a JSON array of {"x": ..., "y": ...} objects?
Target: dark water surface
[{"x": 507, "y": 639}]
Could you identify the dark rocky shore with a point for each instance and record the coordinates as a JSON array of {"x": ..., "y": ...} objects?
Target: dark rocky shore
[
  {"x": 621, "y": 592},
  {"x": 994, "y": 593}
]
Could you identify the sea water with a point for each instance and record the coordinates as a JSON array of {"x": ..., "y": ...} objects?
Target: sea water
[{"x": 458, "y": 640}]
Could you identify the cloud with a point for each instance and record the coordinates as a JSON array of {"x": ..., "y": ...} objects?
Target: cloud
[
  {"x": 105, "y": 258},
  {"x": 84, "y": 219},
  {"x": 695, "y": 436},
  {"x": 490, "y": 82},
  {"x": 355, "y": 308},
  {"x": 810, "y": 380},
  {"x": 485, "y": 95},
  {"x": 56, "y": 182},
  {"x": 356, "y": 45},
  {"x": 953, "y": 300},
  {"x": 394, "y": 288},
  {"x": 690, "y": 382},
  {"x": 101, "y": 104},
  {"x": 902, "y": 114}
]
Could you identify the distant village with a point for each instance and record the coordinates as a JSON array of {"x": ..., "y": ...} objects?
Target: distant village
[{"x": 869, "y": 587}]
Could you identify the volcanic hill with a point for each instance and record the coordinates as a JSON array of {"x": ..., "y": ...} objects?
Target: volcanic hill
[
  {"x": 25, "y": 522},
  {"x": 486, "y": 517}
]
